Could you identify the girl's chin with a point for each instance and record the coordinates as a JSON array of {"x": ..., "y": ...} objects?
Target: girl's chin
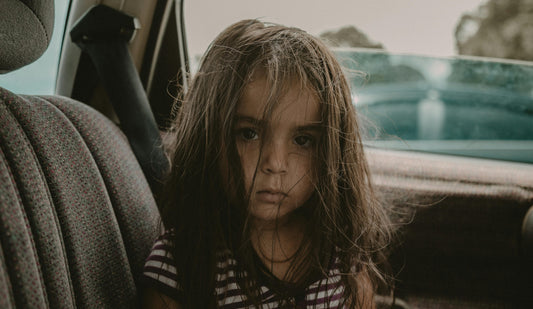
[{"x": 271, "y": 213}]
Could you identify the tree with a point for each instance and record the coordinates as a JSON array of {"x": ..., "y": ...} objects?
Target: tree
[
  {"x": 499, "y": 28},
  {"x": 349, "y": 36}
]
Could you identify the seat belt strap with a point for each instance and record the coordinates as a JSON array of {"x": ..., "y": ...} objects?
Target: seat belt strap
[{"x": 104, "y": 33}]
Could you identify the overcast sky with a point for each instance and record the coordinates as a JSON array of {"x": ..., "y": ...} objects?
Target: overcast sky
[{"x": 414, "y": 26}]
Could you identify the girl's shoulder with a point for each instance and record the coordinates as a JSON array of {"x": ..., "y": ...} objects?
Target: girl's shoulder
[
  {"x": 161, "y": 274},
  {"x": 160, "y": 271},
  {"x": 161, "y": 258}
]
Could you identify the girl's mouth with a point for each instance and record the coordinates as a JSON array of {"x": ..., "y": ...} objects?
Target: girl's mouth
[{"x": 271, "y": 197}]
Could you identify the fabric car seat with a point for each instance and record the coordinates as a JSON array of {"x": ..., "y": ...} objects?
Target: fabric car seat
[{"x": 77, "y": 217}]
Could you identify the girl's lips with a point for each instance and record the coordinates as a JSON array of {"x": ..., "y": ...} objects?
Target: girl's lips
[{"x": 270, "y": 197}]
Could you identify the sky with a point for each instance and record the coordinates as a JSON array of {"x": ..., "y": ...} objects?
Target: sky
[{"x": 405, "y": 26}]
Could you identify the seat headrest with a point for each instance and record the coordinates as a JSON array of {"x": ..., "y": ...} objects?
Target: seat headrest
[{"x": 25, "y": 31}]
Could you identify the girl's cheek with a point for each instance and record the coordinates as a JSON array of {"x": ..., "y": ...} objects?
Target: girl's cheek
[
  {"x": 248, "y": 158},
  {"x": 224, "y": 170},
  {"x": 311, "y": 167}
]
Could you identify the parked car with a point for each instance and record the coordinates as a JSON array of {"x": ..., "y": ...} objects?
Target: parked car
[
  {"x": 463, "y": 106},
  {"x": 77, "y": 207}
]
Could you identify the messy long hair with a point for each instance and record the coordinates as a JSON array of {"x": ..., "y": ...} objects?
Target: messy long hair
[{"x": 348, "y": 222}]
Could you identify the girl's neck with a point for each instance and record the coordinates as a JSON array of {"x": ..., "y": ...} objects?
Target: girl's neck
[{"x": 277, "y": 244}]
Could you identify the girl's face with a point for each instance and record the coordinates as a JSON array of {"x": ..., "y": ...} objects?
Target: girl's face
[{"x": 279, "y": 152}]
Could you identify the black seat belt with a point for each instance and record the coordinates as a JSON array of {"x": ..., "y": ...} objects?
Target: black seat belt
[{"x": 104, "y": 33}]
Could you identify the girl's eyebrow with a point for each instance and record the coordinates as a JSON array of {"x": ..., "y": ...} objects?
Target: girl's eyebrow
[
  {"x": 310, "y": 127},
  {"x": 315, "y": 126},
  {"x": 252, "y": 120}
]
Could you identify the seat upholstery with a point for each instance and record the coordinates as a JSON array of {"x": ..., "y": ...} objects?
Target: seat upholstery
[
  {"x": 461, "y": 229},
  {"x": 77, "y": 217},
  {"x": 25, "y": 31}
]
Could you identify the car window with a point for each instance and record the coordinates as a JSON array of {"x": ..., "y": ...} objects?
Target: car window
[
  {"x": 39, "y": 77},
  {"x": 425, "y": 75}
]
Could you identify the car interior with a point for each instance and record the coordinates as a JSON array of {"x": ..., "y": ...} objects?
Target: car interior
[{"x": 80, "y": 173}]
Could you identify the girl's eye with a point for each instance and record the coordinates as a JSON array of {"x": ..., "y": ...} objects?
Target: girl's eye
[
  {"x": 304, "y": 140},
  {"x": 248, "y": 134}
]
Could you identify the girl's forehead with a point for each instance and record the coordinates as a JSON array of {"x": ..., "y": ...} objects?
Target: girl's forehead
[
  {"x": 277, "y": 82},
  {"x": 291, "y": 99}
]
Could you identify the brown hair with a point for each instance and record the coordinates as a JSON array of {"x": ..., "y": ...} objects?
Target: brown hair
[{"x": 348, "y": 222}]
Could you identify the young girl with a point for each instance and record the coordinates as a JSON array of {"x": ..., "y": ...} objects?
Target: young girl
[{"x": 269, "y": 202}]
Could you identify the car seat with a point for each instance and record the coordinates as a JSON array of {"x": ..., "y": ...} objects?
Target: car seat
[{"x": 77, "y": 217}]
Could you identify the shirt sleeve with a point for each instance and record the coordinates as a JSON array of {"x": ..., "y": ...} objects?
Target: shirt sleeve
[{"x": 160, "y": 271}]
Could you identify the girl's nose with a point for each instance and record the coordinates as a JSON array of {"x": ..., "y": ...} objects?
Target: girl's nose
[{"x": 274, "y": 158}]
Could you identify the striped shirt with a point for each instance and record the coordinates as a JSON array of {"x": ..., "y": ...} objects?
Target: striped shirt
[{"x": 161, "y": 274}]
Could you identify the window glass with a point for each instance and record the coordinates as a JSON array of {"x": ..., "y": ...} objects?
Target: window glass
[
  {"x": 445, "y": 76},
  {"x": 39, "y": 77}
]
